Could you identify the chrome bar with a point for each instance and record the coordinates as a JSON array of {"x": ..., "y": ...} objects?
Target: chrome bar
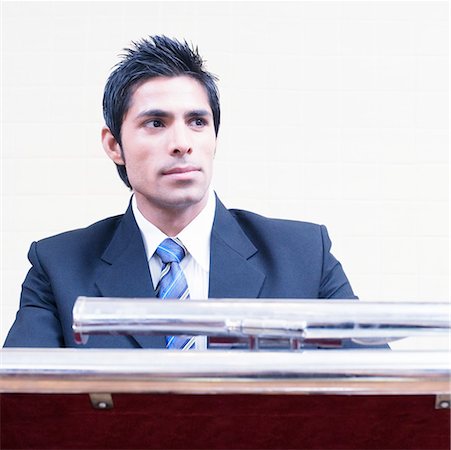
[
  {"x": 361, "y": 321},
  {"x": 138, "y": 370}
]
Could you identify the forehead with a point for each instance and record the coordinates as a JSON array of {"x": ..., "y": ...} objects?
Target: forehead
[{"x": 182, "y": 92}]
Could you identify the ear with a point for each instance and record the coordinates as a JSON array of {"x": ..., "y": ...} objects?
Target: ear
[{"x": 112, "y": 147}]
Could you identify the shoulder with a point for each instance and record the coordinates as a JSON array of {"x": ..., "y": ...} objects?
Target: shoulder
[
  {"x": 93, "y": 237},
  {"x": 250, "y": 220},
  {"x": 266, "y": 232}
]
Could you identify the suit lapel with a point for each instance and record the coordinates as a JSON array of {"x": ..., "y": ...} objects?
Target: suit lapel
[
  {"x": 125, "y": 270},
  {"x": 232, "y": 274}
]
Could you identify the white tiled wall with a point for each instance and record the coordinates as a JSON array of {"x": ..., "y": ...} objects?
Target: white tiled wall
[{"x": 333, "y": 112}]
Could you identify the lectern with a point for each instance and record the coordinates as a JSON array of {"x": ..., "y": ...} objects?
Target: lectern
[{"x": 274, "y": 398}]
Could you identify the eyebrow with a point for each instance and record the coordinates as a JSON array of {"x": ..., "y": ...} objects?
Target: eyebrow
[
  {"x": 160, "y": 113},
  {"x": 198, "y": 113}
]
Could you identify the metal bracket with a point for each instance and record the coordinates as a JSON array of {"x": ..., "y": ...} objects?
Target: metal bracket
[
  {"x": 295, "y": 344},
  {"x": 253, "y": 343},
  {"x": 101, "y": 401},
  {"x": 443, "y": 401}
]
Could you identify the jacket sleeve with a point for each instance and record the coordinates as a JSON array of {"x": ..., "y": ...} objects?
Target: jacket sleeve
[
  {"x": 334, "y": 283},
  {"x": 37, "y": 323}
]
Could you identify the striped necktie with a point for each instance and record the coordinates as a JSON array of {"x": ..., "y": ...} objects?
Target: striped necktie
[{"x": 173, "y": 285}]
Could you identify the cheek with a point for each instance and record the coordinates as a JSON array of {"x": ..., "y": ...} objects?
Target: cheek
[
  {"x": 141, "y": 161},
  {"x": 209, "y": 145},
  {"x": 209, "y": 159},
  {"x": 142, "y": 152}
]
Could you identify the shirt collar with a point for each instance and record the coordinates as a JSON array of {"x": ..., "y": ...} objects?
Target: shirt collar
[{"x": 195, "y": 236}]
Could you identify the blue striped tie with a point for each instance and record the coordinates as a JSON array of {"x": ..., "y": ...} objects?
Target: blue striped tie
[{"x": 173, "y": 285}]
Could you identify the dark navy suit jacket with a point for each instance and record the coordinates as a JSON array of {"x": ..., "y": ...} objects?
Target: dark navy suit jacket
[{"x": 251, "y": 257}]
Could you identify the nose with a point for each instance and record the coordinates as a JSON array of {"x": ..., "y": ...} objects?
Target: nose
[{"x": 180, "y": 144}]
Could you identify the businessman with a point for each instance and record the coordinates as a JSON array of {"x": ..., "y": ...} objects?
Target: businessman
[{"x": 176, "y": 240}]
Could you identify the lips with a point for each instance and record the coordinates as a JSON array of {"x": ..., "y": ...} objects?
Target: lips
[{"x": 180, "y": 170}]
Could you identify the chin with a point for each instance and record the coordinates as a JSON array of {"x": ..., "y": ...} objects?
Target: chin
[
  {"x": 185, "y": 200},
  {"x": 187, "y": 203}
]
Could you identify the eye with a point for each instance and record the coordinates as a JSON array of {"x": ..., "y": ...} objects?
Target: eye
[
  {"x": 199, "y": 122},
  {"x": 154, "y": 123}
]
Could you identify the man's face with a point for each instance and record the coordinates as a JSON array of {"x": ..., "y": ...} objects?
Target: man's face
[{"x": 168, "y": 144}]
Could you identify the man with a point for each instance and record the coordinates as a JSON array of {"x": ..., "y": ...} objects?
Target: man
[{"x": 162, "y": 117}]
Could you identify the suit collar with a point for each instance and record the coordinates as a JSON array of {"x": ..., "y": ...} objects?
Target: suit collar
[
  {"x": 125, "y": 272},
  {"x": 232, "y": 273}
]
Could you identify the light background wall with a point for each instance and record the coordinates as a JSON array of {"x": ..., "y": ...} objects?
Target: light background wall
[{"x": 333, "y": 112}]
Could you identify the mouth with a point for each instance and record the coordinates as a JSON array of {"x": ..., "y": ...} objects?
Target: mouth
[
  {"x": 181, "y": 172},
  {"x": 183, "y": 169}
]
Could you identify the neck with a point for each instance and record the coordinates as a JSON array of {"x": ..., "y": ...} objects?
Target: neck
[{"x": 170, "y": 220}]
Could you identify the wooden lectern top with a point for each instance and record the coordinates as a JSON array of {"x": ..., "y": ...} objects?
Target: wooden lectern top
[{"x": 205, "y": 372}]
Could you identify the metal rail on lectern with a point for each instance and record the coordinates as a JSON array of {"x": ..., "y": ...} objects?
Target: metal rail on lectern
[
  {"x": 337, "y": 372},
  {"x": 295, "y": 321}
]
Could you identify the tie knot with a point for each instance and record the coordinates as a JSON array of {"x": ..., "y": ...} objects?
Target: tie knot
[{"x": 170, "y": 251}]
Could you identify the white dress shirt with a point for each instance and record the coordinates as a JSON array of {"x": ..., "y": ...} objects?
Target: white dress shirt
[{"x": 196, "y": 239}]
